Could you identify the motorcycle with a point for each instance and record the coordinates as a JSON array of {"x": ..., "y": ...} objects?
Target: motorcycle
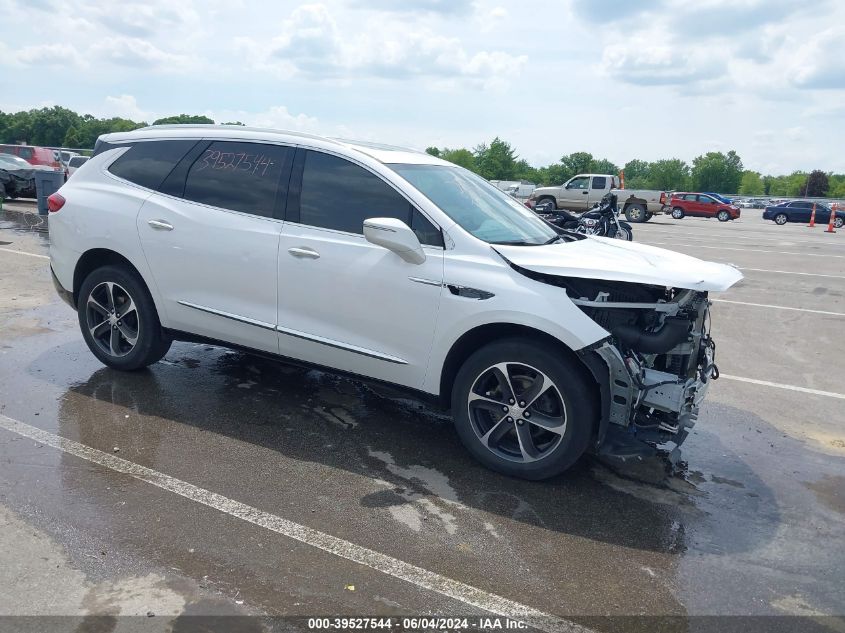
[{"x": 602, "y": 219}]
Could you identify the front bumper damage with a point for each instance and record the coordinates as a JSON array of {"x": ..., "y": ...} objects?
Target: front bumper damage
[{"x": 652, "y": 397}]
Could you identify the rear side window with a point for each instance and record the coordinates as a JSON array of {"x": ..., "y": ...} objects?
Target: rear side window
[
  {"x": 690, "y": 196},
  {"x": 337, "y": 194},
  {"x": 599, "y": 182},
  {"x": 239, "y": 176},
  {"x": 147, "y": 163}
]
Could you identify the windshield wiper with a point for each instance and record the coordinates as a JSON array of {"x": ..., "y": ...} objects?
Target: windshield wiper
[
  {"x": 515, "y": 243},
  {"x": 553, "y": 240}
]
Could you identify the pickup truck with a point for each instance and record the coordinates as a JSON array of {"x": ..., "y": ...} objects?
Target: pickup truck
[{"x": 581, "y": 192}]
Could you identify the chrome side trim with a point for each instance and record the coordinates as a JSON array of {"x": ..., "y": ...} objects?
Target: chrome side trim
[
  {"x": 229, "y": 315},
  {"x": 344, "y": 346},
  {"x": 427, "y": 282}
]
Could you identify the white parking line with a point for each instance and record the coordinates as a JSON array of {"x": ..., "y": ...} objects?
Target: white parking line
[
  {"x": 766, "y": 305},
  {"x": 766, "y": 383},
  {"x": 10, "y": 250},
  {"x": 383, "y": 563},
  {"x": 746, "y": 250},
  {"x": 791, "y": 272},
  {"x": 728, "y": 236}
]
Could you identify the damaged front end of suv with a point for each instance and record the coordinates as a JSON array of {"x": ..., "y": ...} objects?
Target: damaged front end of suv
[{"x": 655, "y": 366}]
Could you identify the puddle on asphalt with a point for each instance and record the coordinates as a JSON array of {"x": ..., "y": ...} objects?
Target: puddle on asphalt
[
  {"x": 830, "y": 491},
  {"x": 23, "y": 222}
]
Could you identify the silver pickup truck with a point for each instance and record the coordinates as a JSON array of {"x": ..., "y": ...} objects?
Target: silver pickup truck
[{"x": 581, "y": 192}]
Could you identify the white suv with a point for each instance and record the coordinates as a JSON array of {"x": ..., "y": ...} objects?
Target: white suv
[{"x": 393, "y": 266}]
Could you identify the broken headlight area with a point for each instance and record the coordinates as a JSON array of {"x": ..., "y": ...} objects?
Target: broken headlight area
[{"x": 659, "y": 358}]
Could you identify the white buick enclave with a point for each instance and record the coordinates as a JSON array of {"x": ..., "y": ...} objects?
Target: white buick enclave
[{"x": 390, "y": 265}]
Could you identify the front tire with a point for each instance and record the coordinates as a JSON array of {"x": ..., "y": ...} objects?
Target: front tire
[
  {"x": 723, "y": 216},
  {"x": 678, "y": 213},
  {"x": 523, "y": 409},
  {"x": 635, "y": 213},
  {"x": 781, "y": 219},
  {"x": 119, "y": 321}
]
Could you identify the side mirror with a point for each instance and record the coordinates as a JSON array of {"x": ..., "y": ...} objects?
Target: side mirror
[{"x": 396, "y": 236}]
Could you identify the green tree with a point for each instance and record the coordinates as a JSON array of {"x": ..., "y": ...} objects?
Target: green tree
[
  {"x": 604, "y": 166},
  {"x": 71, "y": 138},
  {"x": 184, "y": 118},
  {"x": 576, "y": 163},
  {"x": 671, "y": 174},
  {"x": 637, "y": 173},
  {"x": 462, "y": 157},
  {"x": 817, "y": 184},
  {"x": 496, "y": 161},
  {"x": 715, "y": 171},
  {"x": 432, "y": 150},
  {"x": 751, "y": 184}
]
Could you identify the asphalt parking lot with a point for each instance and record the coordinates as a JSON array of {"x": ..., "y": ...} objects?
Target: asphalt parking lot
[{"x": 332, "y": 498}]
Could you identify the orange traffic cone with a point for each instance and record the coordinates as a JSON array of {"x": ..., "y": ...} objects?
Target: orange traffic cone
[
  {"x": 830, "y": 228},
  {"x": 813, "y": 217}
]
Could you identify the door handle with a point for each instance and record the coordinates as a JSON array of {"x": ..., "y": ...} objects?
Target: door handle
[
  {"x": 584, "y": 192},
  {"x": 304, "y": 251},
  {"x": 160, "y": 225}
]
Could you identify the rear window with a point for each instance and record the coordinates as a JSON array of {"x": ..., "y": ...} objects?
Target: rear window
[
  {"x": 599, "y": 182},
  {"x": 148, "y": 163},
  {"x": 25, "y": 153},
  {"x": 76, "y": 161}
]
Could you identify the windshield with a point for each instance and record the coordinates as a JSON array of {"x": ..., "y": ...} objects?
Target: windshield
[{"x": 477, "y": 206}]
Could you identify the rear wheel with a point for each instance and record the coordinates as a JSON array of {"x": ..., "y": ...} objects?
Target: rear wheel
[
  {"x": 635, "y": 213},
  {"x": 677, "y": 213},
  {"x": 838, "y": 222},
  {"x": 781, "y": 219},
  {"x": 522, "y": 409},
  {"x": 119, "y": 320},
  {"x": 723, "y": 216}
]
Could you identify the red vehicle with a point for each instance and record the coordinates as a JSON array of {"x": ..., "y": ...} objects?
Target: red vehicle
[
  {"x": 702, "y": 205},
  {"x": 35, "y": 155}
]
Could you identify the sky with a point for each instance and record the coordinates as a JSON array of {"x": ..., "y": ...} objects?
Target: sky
[{"x": 620, "y": 79}]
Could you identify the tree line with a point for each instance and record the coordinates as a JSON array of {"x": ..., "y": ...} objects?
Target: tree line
[{"x": 714, "y": 171}]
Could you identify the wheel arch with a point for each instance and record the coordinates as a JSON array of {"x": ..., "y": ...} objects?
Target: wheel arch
[
  {"x": 477, "y": 337},
  {"x": 95, "y": 258}
]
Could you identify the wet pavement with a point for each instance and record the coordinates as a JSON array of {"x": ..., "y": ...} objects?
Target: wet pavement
[{"x": 750, "y": 523}]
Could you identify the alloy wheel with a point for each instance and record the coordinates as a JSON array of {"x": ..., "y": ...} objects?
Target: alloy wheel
[
  {"x": 112, "y": 319},
  {"x": 517, "y": 412}
]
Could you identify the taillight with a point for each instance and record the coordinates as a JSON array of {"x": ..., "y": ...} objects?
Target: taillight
[{"x": 55, "y": 202}]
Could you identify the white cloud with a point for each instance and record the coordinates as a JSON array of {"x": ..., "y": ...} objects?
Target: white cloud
[
  {"x": 312, "y": 44},
  {"x": 52, "y": 55},
  {"x": 138, "y": 53},
  {"x": 126, "y": 107}
]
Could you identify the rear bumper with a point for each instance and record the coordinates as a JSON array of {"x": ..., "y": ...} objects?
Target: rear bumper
[{"x": 64, "y": 294}]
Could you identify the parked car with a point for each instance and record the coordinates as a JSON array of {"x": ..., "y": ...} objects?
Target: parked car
[
  {"x": 391, "y": 265},
  {"x": 719, "y": 197},
  {"x": 800, "y": 211},
  {"x": 702, "y": 205},
  {"x": 75, "y": 163},
  {"x": 584, "y": 191},
  {"x": 34, "y": 155},
  {"x": 17, "y": 177}
]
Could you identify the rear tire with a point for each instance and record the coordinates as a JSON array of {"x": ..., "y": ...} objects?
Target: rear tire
[
  {"x": 118, "y": 319},
  {"x": 678, "y": 213},
  {"x": 781, "y": 219},
  {"x": 838, "y": 222},
  {"x": 635, "y": 213},
  {"x": 533, "y": 438}
]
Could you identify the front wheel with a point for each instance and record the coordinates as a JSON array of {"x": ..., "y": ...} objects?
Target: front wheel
[
  {"x": 624, "y": 232},
  {"x": 523, "y": 409},
  {"x": 119, "y": 320},
  {"x": 723, "y": 216},
  {"x": 781, "y": 219},
  {"x": 677, "y": 213}
]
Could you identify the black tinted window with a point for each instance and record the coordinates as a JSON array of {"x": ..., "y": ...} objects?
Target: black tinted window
[
  {"x": 339, "y": 195},
  {"x": 238, "y": 176},
  {"x": 148, "y": 163},
  {"x": 599, "y": 182}
]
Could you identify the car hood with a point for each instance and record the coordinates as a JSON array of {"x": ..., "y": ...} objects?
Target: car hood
[{"x": 618, "y": 260}]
